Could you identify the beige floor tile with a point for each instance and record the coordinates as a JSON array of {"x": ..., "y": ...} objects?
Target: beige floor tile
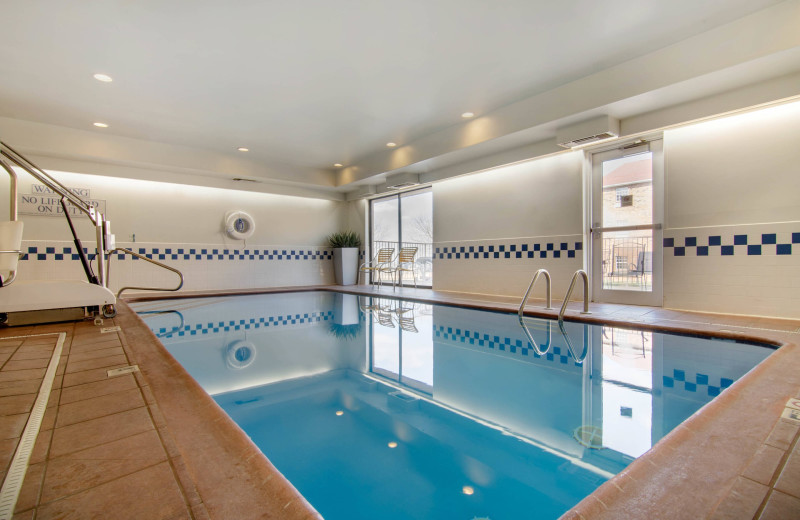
[
  {"x": 97, "y": 388},
  {"x": 151, "y": 493},
  {"x": 781, "y": 506},
  {"x": 95, "y": 407},
  {"x": 85, "y": 469},
  {"x": 87, "y": 434}
]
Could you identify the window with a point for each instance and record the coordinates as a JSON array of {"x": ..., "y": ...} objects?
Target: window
[
  {"x": 624, "y": 197},
  {"x": 406, "y": 220}
]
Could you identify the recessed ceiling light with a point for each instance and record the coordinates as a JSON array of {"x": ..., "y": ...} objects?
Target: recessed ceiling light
[
  {"x": 105, "y": 78},
  {"x": 337, "y": 165},
  {"x": 468, "y": 490},
  {"x": 392, "y": 444},
  {"x": 467, "y": 115},
  {"x": 100, "y": 125},
  {"x": 391, "y": 145},
  {"x": 339, "y": 412},
  {"x": 243, "y": 149}
]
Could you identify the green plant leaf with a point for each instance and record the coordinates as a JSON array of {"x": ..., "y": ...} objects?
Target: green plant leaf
[{"x": 344, "y": 239}]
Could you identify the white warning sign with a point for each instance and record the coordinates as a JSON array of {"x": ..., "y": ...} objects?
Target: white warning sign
[{"x": 45, "y": 202}]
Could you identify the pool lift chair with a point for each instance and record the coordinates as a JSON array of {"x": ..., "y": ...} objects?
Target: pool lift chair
[{"x": 45, "y": 301}]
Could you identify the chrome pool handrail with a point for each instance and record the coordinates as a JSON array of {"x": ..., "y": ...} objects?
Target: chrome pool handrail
[
  {"x": 528, "y": 292},
  {"x": 174, "y": 329},
  {"x": 142, "y": 257},
  {"x": 585, "y": 351},
  {"x": 582, "y": 274},
  {"x": 533, "y": 343}
]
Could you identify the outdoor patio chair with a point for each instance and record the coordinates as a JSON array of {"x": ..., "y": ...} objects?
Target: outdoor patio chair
[
  {"x": 643, "y": 266},
  {"x": 379, "y": 263},
  {"x": 405, "y": 262}
]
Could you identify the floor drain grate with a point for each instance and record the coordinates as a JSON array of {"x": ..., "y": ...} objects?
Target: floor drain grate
[
  {"x": 106, "y": 330},
  {"x": 12, "y": 484},
  {"x": 589, "y": 436},
  {"x": 123, "y": 370}
]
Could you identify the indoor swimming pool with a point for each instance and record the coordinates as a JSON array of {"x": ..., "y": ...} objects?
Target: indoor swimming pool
[{"x": 424, "y": 411}]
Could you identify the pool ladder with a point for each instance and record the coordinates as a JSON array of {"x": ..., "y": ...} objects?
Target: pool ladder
[
  {"x": 541, "y": 352},
  {"x": 548, "y": 284}
]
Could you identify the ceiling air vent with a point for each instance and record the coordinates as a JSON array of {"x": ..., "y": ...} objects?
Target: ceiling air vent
[
  {"x": 401, "y": 180},
  {"x": 590, "y": 131}
]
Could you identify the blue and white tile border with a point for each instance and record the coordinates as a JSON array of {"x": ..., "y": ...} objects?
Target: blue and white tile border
[
  {"x": 199, "y": 329},
  {"x": 556, "y": 249},
  {"x": 181, "y": 253},
  {"x": 754, "y": 244},
  {"x": 496, "y": 343}
]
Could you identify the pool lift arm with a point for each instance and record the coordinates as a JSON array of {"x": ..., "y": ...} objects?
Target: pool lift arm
[{"x": 43, "y": 301}]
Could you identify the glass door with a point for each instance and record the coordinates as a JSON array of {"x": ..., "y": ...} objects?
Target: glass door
[
  {"x": 406, "y": 220},
  {"x": 627, "y": 212}
]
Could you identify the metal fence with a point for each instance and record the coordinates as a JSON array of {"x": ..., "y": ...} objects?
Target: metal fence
[
  {"x": 628, "y": 263},
  {"x": 423, "y": 262}
]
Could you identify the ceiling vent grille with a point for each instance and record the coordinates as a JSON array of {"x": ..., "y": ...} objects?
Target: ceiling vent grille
[
  {"x": 401, "y": 180},
  {"x": 591, "y": 131},
  {"x": 587, "y": 140}
]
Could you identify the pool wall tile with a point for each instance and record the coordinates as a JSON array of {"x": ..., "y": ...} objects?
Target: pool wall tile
[
  {"x": 744, "y": 269},
  {"x": 204, "y": 266},
  {"x": 505, "y": 266}
]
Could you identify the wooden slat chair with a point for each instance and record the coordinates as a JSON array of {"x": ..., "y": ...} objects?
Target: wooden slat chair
[
  {"x": 405, "y": 262},
  {"x": 378, "y": 264}
]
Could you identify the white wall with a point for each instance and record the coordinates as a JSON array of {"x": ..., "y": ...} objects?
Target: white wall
[
  {"x": 733, "y": 182},
  {"x": 523, "y": 205},
  {"x": 187, "y": 218},
  {"x": 734, "y": 177}
]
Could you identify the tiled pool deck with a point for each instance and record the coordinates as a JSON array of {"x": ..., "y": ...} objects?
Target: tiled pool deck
[{"x": 153, "y": 445}]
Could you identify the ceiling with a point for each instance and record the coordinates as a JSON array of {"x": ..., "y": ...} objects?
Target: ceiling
[{"x": 310, "y": 83}]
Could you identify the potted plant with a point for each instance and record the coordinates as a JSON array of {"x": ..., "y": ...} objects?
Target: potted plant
[{"x": 345, "y": 246}]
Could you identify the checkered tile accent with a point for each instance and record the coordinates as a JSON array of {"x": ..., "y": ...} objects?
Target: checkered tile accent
[
  {"x": 158, "y": 253},
  {"x": 503, "y": 344},
  {"x": 200, "y": 329},
  {"x": 751, "y": 245},
  {"x": 699, "y": 384},
  {"x": 524, "y": 250}
]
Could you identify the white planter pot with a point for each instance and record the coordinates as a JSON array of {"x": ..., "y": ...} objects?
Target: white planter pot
[
  {"x": 345, "y": 309},
  {"x": 345, "y": 265}
]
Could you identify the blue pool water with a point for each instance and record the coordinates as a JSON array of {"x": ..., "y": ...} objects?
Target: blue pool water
[{"x": 382, "y": 408}]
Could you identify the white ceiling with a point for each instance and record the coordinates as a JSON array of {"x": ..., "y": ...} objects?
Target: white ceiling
[{"x": 309, "y": 83}]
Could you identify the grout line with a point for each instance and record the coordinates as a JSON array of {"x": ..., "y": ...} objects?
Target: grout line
[
  {"x": 94, "y": 396},
  {"x": 83, "y": 490},
  {"x": 7, "y": 361},
  {"x": 778, "y": 471},
  {"x": 99, "y": 416},
  {"x": 12, "y": 485}
]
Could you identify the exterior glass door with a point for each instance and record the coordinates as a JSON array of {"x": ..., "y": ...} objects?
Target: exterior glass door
[
  {"x": 405, "y": 220},
  {"x": 627, "y": 212}
]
